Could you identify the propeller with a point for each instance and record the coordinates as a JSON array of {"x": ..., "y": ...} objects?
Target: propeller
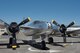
[
  {"x": 71, "y": 24},
  {"x": 14, "y": 27},
  {"x": 63, "y": 28},
  {"x": 53, "y": 21},
  {"x": 24, "y": 21}
]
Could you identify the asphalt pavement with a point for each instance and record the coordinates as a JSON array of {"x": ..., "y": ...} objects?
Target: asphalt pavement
[{"x": 72, "y": 46}]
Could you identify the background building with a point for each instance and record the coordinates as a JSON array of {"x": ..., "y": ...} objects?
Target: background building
[{"x": 3, "y": 27}]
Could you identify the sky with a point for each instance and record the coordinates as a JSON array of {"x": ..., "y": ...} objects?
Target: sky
[{"x": 62, "y": 11}]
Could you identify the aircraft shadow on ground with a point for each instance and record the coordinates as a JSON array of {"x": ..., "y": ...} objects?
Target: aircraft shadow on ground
[
  {"x": 68, "y": 42},
  {"x": 37, "y": 45}
]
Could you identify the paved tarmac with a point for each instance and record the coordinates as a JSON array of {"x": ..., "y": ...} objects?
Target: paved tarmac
[{"x": 72, "y": 46}]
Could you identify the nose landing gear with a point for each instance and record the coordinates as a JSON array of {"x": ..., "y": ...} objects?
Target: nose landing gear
[{"x": 12, "y": 44}]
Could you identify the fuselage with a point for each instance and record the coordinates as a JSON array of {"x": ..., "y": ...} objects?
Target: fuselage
[
  {"x": 42, "y": 27},
  {"x": 38, "y": 28}
]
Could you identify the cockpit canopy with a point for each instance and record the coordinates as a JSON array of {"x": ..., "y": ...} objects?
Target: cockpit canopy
[{"x": 39, "y": 24}]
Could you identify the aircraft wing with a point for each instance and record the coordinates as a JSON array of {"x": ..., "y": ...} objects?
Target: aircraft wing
[
  {"x": 55, "y": 32},
  {"x": 74, "y": 32}
]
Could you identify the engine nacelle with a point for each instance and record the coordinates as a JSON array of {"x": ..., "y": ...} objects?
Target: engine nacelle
[{"x": 13, "y": 27}]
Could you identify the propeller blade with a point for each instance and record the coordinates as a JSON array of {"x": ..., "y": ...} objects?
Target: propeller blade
[
  {"x": 72, "y": 23},
  {"x": 24, "y": 21},
  {"x": 54, "y": 22}
]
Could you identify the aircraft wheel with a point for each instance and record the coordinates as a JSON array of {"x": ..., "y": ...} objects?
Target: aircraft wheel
[
  {"x": 69, "y": 35},
  {"x": 43, "y": 45},
  {"x": 50, "y": 40},
  {"x": 14, "y": 48}
]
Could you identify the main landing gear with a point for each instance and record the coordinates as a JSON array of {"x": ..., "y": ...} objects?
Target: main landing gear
[{"x": 12, "y": 44}]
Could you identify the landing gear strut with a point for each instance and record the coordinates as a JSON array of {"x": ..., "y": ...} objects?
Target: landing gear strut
[
  {"x": 10, "y": 40},
  {"x": 12, "y": 43},
  {"x": 64, "y": 37}
]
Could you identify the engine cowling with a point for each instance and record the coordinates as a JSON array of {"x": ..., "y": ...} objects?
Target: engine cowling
[{"x": 13, "y": 27}]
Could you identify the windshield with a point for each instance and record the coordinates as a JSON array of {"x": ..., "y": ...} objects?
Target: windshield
[{"x": 39, "y": 24}]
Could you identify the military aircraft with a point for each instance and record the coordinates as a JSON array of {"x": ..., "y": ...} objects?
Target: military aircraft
[{"x": 37, "y": 29}]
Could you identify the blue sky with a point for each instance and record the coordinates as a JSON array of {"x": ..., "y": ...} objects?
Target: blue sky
[{"x": 63, "y": 11}]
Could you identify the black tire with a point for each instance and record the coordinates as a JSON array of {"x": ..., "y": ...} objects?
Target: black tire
[
  {"x": 14, "y": 48},
  {"x": 18, "y": 46},
  {"x": 8, "y": 46},
  {"x": 43, "y": 45},
  {"x": 50, "y": 40},
  {"x": 69, "y": 35},
  {"x": 10, "y": 41}
]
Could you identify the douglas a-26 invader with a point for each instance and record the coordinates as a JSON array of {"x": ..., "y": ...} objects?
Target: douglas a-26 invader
[{"x": 37, "y": 29}]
